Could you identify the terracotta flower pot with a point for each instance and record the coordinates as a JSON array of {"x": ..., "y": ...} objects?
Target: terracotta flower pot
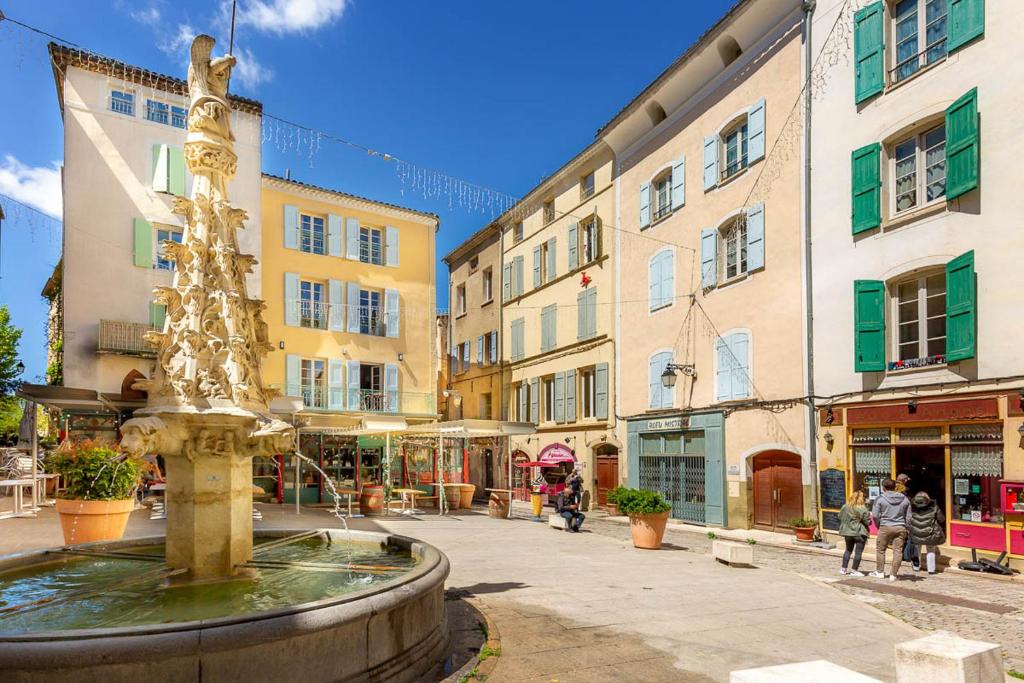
[
  {"x": 648, "y": 530},
  {"x": 466, "y": 492},
  {"x": 85, "y": 521},
  {"x": 804, "y": 533},
  {"x": 613, "y": 509}
]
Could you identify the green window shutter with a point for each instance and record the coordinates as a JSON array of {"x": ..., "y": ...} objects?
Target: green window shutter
[
  {"x": 961, "y": 308},
  {"x": 866, "y": 181},
  {"x": 966, "y": 22},
  {"x": 963, "y": 156},
  {"x": 142, "y": 231},
  {"x": 176, "y": 171},
  {"x": 157, "y": 315},
  {"x": 869, "y": 51},
  {"x": 160, "y": 166},
  {"x": 869, "y": 325}
]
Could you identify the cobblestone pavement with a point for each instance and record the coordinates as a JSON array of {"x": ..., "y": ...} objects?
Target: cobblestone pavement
[{"x": 1006, "y": 629}]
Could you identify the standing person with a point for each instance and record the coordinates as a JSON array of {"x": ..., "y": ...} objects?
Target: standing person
[
  {"x": 892, "y": 517},
  {"x": 567, "y": 505},
  {"x": 910, "y": 552},
  {"x": 927, "y": 528},
  {"x": 854, "y": 527}
]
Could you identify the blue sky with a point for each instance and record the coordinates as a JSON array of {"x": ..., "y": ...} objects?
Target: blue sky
[{"x": 498, "y": 94}]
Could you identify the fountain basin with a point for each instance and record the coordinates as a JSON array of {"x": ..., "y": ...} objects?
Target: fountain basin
[{"x": 394, "y": 630}]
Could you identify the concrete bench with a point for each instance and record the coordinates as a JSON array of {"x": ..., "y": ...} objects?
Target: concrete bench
[
  {"x": 558, "y": 522},
  {"x": 733, "y": 554},
  {"x": 801, "y": 672},
  {"x": 946, "y": 658}
]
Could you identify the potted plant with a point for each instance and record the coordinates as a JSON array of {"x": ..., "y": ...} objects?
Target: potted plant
[
  {"x": 648, "y": 514},
  {"x": 804, "y": 528},
  {"x": 100, "y": 483},
  {"x": 613, "y": 498}
]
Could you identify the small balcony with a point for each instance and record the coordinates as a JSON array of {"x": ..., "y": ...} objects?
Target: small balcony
[
  {"x": 125, "y": 338},
  {"x": 321, "y": 397}
]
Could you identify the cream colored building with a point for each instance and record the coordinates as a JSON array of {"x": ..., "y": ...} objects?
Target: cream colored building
[
  {"x": 124, "y": 130},
  {"x": 709, "y": 275},
  {"x": 558, "y": 327}
]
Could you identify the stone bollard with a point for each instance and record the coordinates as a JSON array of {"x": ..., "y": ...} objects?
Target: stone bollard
[
  {"x": 802, "y": 672},
  {"x": 733, "y": 554},
  {"x": 947, "y": 658}
]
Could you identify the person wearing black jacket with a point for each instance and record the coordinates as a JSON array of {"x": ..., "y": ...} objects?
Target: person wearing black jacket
[
  {"x": 927, "y": 527},
  {"x": 567, "y": 504}
]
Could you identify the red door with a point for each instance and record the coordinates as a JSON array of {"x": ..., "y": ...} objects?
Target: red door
[
  {"x": 607, "y": 477},
  {"x": 778, "y": 489}
]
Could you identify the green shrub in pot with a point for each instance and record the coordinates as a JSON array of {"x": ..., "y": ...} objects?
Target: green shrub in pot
[
  {"x": 94, "y": 471},
  {"x": 641, "y": 502}
]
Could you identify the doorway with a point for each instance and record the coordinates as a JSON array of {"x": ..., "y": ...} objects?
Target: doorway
[
  {"x": 607, "y": 458},
  {"x": 926, "y": 467},
  {"x": 778, "y": 490}
]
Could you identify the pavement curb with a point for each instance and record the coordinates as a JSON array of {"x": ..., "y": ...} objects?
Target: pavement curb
[
  {"x": 484, "y": 668},
  {"x": 849, "y": 598}
]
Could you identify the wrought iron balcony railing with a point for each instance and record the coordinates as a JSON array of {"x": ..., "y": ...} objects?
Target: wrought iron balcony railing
[
  {"x": 118, "y": 336},
  {"x": 322, "y": 397}
]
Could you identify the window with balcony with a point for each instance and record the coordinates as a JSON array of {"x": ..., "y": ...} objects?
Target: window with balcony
[
  {"x": 372, "y": 397},
  {"x": 313, "y": 383},
  {"x": 587, "y": 186},
  {"x": 371, "y": 313},
  {"x": 312, "y": 305},
  {"x": 734, "y": 149},
  {"x": 921, "y": 318},
  {"x": 919, "y": 35},
  {"x": 549, "y": 210},
  {"x": 488, "y": 284},
  {"x": 311, "y": 234},
  {"x": 371, "y": 246},
  {"x": 918, "y": 165},
  {"x": 165, "y": 235},
  {"x": 662, "y": 195},
  {"x": 122, "y": 102}
]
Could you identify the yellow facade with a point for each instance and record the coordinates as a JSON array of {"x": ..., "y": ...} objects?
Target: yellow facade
[{"x": 342, "y": 345}]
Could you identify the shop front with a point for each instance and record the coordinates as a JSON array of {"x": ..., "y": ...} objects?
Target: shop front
[{"x": 683, "y": 458}]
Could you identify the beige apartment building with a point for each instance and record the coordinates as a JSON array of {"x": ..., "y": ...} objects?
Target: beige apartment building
[
  {"x": 558, "y": 324},
  {"x": 710, "y": 334},
  {"x": 475, "y": 386}
]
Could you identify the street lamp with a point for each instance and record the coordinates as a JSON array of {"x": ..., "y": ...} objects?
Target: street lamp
[
  {"x": 668, "y": 378},
  {"x": 20, "y": 367}
]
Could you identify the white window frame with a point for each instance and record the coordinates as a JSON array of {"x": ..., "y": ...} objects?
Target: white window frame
[
  {"x": 460, "y": 299},
  {"x": 921, "y": 281},
  {"x": 159, "y": 262},
  {"x": 588, "y": 231},
  {"x": 313, "y": 382},
  {"x": 733, "y": 231},
  {"x": 920, "y": 156},
  {"x": 739, "y": 127},
  {"x": 179, "y": 114},
  {"x": 372, "y": 322},
  {"x": 158, "y": 111},
  {"x": 125, "y": 104},
  {"x": 520, "y": 396},
  {"x": 547, "y": 387},
  {"x": 921, "y": 58},
  {"x": 367, "y": 236},
  {"x": 517, "y": 232},
  {"x": 588, "y": 392},
  {"x": 661, "y": 195},
  {"x": 587, "y": 186},
  {"x": 488, "y": 284},
  {"x": 312, "y": 309},
  {"x": 310, "y": 234}
]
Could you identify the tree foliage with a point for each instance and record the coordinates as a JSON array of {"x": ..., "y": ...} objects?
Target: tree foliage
[{"x": 10, "y": 336}]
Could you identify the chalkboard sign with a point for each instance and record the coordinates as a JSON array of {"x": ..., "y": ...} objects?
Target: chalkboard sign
[
  {"x": 833, "y": 488},
  {"x": 830, "y": 520}
]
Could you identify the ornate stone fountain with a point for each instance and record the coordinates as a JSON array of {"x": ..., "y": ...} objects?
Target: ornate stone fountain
[{"x": 207, "y": 413}]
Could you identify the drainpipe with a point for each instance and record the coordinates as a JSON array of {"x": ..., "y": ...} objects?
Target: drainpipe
[
  {"x": 812, "y": 443},
  {"x": 503, "y": 411},
  {"x": 448, "y": 359}
]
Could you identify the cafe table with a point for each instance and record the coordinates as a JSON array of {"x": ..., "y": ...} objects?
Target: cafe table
[
  {"x": 349, "y": 494},
  {"x": 408, "y": 495}
]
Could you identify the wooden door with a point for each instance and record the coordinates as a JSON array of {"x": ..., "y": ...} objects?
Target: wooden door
[
  {"x": 607, "y": 476},
  {"x": 778, "y": 489}
]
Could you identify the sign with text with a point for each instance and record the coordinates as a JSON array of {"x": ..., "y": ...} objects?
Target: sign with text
[
  {"x": 833, "y": 488},
  {"x": 667, "y": 423}
]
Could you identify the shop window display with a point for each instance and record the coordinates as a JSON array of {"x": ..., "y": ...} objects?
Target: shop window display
[{"x": 976, "y": 466}]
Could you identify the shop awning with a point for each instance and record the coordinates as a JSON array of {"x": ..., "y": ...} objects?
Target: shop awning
[
  {"x": 471, "y": 429},
  {"x": 63, "y": 398},
  {"x": 367, "y": 426}
]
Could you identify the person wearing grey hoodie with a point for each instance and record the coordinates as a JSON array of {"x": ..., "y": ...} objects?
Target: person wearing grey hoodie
[{"x": 891, "y": 513}]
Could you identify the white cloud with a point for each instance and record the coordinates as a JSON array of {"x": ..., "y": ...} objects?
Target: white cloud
[
  {"x": 290, "y": 16},
  {"x": 147, "y": 15},
  {"x": 38, "y": 186},
  {"x": 250, "y": 73},
  {"x": 178, "y": 45}
]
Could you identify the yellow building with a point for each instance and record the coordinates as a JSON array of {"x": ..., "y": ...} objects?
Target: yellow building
[{"x": 349, "y": 289}]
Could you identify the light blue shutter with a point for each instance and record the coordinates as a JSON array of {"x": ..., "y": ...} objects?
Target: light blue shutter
[
  {"x": 601, "y": 391},
  {"x": 654, "y": 387},
  {"x": 353, "y": 307},
  {"x": 291, "y": 299},
  {"x": 544, "y": 329},
  {"x": 654, "y": 282},
  {"x": 581, "y": 315},
  {"x": 480, "y": 351},
  {"x": 465, "y": 356},
  {"x": 645, "y": 205},
  {"x": 535, "y": 401},
  {"x": 335, "y": 236},
  {"x": 161, "y": 169},
  {"x": 352, "y": 239},
  {"x": 517, "y": 339},
  {"x": 506, "y": 281},
  {"x": 679, "y": 182},
  {"x": 352, "y": 378},
  {"x": 755, "y": 132},
  {"x": 724, "y": 371},
  {"x": 522, "y": 415},
  {"x": 668, "y": 277},
  {"x": 536, "y": 267},
  {"x": 335, "y": 384},
  {"x": 494, "y": 347},
  {"x": 570, "y": 395},
  {"x": 739, "y": 344},
  {"x": 755, "y": 237},
  {"x": 517, "y": 275},
  {"x": 559, "y": 397},
  {"x": 592, "y": 312},
  {"x": 708, "y": 257},
  {"x": 335, "y": 306},
  {"x": 552, "y": 251},
  {"x": 710, "y": 162},
  {"x": 291, "y": 227},
  {"x": 293, "y": 375},
  {"x": 391, "y": 312},
  {"x": 574, "y": 259},
  {"x": 391, "y": 386},
  {"x": 391, "y": 246}
]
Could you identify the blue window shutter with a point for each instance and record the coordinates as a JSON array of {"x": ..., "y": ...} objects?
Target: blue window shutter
[
  {"x": 353, "y": 307},
  {"x": 961, "y": 308},
  {"x": 552, "y": 253},
  {"x": 291, "y": 299},
  {"x": 869, "y": 51},
  {"x": 723, "y": 371},
  {"x": 480, "y": 351},
  {"x": 391, "y": 386},
  {"x": 574, "y": 260},
  {"x": 708, "y": 257},
  {"x": 559, "y": 411},
  {"x": 645, "y": 205},
  {"x": 739, "y": 345},
  {"x": 494, "y": 347},
  {"x": 293, "y": 375},
  {"x": 517, "y": 275},
  {"x": 336, "y": 306},
  {"x": 465, "y": 356},
  {"x": 535, "y": 401},
  {"x": 335, "y": 236},
  {"x": 524, "y": 396},
  {"x": 654, "y": 282},
  {"x": 570, "y": 395},
  {"x": 536, "y": 267},
  {"x": 142, "y": 243},
  {"x": 291, "y": 227},
  {"x": 335, "y": 384},
  {"x": 963, "y": 154},
  {"x": 581, "y": 315},
  {"x": 391, "y": 246},
  {"x": 601, "y": 391},
  {"x": 352, "y": 239},
  {"x": 653, "y": 382},
  {"x": 518, "y": 339},
  {"x": 391, "y": 313},
  {"x": 506, "y": 281},
  {"x": 161, "y": 168},
  {"x": 668, "y": 277},
  {"x": 755, "y": 237},
  {"x": 352, "y": 382},
  {"x": 755, "y": 132},
  {"x": 592, "y": 312},
  {"x": 710, "y": 162},
  {"x": 869, "y": 325},
  {"x": 966, "y": 22},
  {"x": 678, "y": 197}
]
